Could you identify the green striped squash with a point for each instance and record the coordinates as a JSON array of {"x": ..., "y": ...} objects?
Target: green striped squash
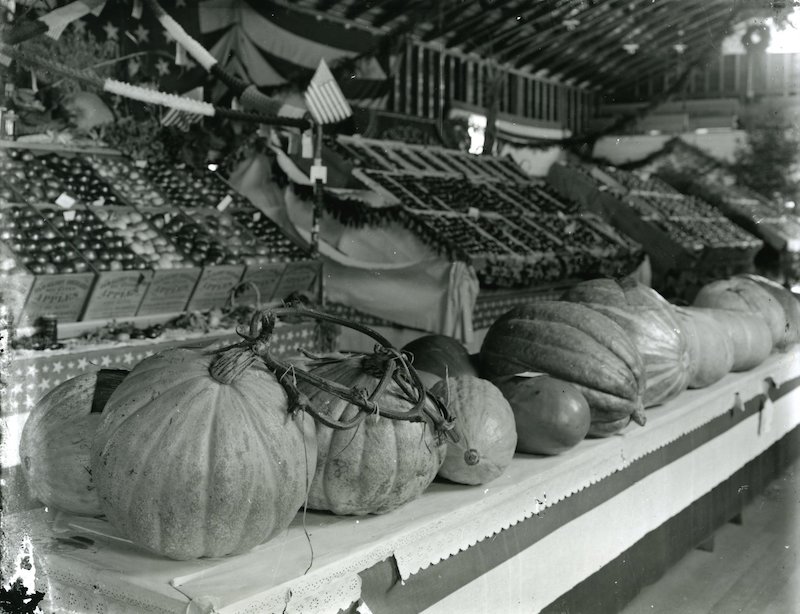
[{"x": 651, "y": 323}]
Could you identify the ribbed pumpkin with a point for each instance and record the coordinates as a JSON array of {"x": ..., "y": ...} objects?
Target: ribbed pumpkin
[
  {"x": 378, "y": 466},
  {"x": 198, "y": 454},
  {"x": 437, "y": 356},
  {"x": 577, "y": 344},
  {"x": 485, "y": 426},
  {"x": 55, "y": 447},
  {"x": 741, "y": 294},
  {"x": 652, "y": 325},
  {"x": 711, "y": 348}
]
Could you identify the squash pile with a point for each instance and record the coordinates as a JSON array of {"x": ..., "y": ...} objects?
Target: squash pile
[{"x": 209, "y": 453}]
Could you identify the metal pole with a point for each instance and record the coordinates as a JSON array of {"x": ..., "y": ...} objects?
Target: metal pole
[{"x": 318, "y": 196}]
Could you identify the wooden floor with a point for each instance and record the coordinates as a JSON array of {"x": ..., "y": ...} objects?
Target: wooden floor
[{"x": 754, "y": 567}]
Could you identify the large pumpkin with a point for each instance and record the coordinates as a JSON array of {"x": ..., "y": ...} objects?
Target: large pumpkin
[
  {"x": 55, "y": 447},
  {"x": 651, "y": 323},
  {"x": 485, "y": 426},
  {"x": 711, "y": 348},
  {"x": 382, "y": 464},
  {"x": 198, "y": 454},
  {"x": 577, "y": 344},
  {"x": 438, "y": 356},
  {"x": 741, "y": 294},
  {"x": 551, "y": 415}
]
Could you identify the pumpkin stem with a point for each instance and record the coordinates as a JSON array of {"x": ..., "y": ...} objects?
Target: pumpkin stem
[
  {"x": 472, "y": 457},
  {"x": 639, "y": 417},
  {"x": 230, "y": 364}
]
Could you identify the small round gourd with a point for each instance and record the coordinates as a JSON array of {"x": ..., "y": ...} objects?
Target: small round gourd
[
  {"x": 484, "y": 423},
  {"x": 551, "y": 415}
]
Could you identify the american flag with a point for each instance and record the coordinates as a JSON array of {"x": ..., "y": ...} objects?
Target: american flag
[
  {"x": 181, "y": 119},
  {"x": 324, "y": 98}
]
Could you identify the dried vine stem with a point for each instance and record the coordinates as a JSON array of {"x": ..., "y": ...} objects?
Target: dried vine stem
[{"x": 395, "y": 367}]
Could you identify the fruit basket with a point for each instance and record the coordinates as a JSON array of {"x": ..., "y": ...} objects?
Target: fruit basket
[
  {"x": 174, "y": 277},
  {"x": 39, "y": 257},
  {"x": 526, "y": 227},
  {"x": 127, "y": 179},
  {"x": 221, "y": 269}
]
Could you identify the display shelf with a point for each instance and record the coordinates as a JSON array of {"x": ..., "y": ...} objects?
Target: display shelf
[
  {"x": 551, "y": 507},
  {"x": 514, "y": 235},
  {"x": 679, "y": 232}
]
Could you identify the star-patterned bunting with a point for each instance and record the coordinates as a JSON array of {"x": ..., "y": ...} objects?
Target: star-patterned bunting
[
  {"x": 162, "y": 66},
  {"x": 112, "y": 31},
  {"x": 142, "y": 34}
]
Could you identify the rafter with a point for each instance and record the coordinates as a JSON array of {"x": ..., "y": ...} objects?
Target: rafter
[
  {"x": 662, "y": 46},
  {"x": 522, "y": 35},
  {"x": 700, "y": 42},
  {"x": 480, "y": 23},
  {"x": 592, "y": 24},
  {"x": 526, "y": 20}
]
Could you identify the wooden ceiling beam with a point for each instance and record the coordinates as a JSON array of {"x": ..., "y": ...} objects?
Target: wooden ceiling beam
[
  {"x": 461, "y": 20},
  {"x": 395, "y": 9},
  {"x": 519, "y": 35},
  {"x": 658, "y": 65},
  {"x": 528, "y": 20},
  {"x": 610, "y": 65},
  {"x": 592, "y": 27},
  {"x": 480, "y": 24},
  {"x": 594, "y": 50}
]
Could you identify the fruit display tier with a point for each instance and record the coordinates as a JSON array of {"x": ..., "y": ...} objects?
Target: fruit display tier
[
  {"x": 454, "y": 544},
  {"x": 679, "y": 231},
  {"x": 400, "y": 157},
  {"x": 71, "y": 219},
  {"x": 514, "y": 234}
]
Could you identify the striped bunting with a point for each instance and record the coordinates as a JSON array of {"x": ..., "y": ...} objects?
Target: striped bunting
[
  {"x": 269, "y": 44},
  {"x": 324, "y": 98}
]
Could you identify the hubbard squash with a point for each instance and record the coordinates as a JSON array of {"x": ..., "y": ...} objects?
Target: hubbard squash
[
  {"x": 741, "y": 294},
  {"x": 55, "y": 447},
  {"x": 652, "y": 325},
  {"x": 575, "y": 343},
  {"x": 711, "y": 349},
  {"x": 199, "y": 455},
  {"x": 437, "y": 356},
  {"x": 485, "y": 427},
  {"x": 551, "y": 415}
]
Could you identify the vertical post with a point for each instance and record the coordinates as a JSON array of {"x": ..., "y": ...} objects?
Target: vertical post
[{"x": 318, "y": 179}]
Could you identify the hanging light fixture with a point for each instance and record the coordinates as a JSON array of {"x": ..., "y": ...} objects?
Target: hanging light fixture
[
  {"x": 679, "y": 48},
  {"x": 631, "y": 48}
]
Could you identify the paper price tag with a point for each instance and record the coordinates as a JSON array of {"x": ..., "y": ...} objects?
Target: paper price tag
[
  {"x": 474, "y": 212},
  {"x": 69, "y": 215},
  {"x": 224, "y": 203},
  {"x": 65, "y": 201}
]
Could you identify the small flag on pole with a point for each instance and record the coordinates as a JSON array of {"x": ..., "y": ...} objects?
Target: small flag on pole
[
  {"x": 181, "y": 119},
  {"x": 324, "y": 97}
]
